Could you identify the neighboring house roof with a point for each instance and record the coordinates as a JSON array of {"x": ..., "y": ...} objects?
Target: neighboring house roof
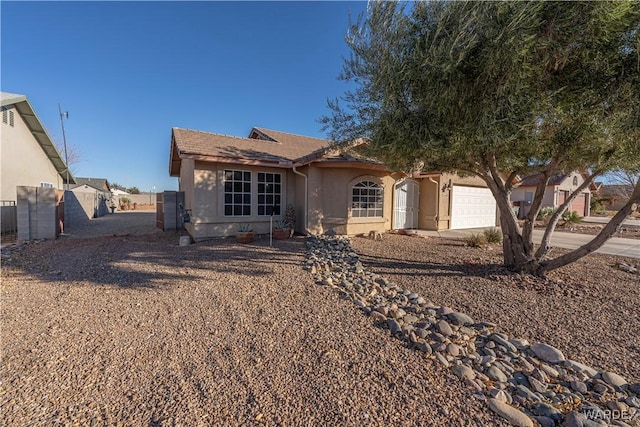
[
  {"x": 554, "y": 180},
  {"x": 264, "y": 146},
  {"x": 117, "y": 192},
  {"x": 38, "y": 131},
  {"x": 534, "y": 180},
  {"x": 97, "y": 183}
]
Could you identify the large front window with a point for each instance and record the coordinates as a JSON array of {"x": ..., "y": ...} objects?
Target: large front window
[
  {"x": 269, "y": 193},
  {"x": 366, "y": 200},
  {"x": 237, "y": 193}
]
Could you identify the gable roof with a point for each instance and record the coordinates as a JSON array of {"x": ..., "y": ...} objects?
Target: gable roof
[
  {"x": 22, "y": 105},
  {"x": 263, "y": 147},
  {"x": 97, "y": 183},
  {"x": 533, "y": 181}
]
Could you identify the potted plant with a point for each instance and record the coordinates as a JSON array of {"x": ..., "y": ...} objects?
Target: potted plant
[
  {"x": 281, "y": 230},
  {"x": 244, "y": 234}
]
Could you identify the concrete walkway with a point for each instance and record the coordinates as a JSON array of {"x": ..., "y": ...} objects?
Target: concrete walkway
[{"x": 614, "y": 246}]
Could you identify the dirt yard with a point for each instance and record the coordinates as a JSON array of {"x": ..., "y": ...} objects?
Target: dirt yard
[
  {"x": 135, "y": 330},
  {"x": 138, "y": 331},
  {"x": 588, "y": 309}
]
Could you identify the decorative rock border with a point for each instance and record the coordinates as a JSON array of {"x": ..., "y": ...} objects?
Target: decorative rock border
[{"x": 523, "y": 383}]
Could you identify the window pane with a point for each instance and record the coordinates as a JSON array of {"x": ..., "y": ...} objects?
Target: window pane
[
  {"x": 237, "y": 187},
  {"x": 261, "y": 210},
  {"x": 247, "y": 176},
  {"x": 277, "y": 178},
  {"x": 260, "y": 176},
  {"x": 260, "y": 188},
  {"x": 237, "y": 210},
  {"x": 228, "y": 210},
  {"x": 246, "y": 210},
  {"x": 247, "y": 199}
]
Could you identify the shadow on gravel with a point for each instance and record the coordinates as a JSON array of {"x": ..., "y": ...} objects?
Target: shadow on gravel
[
  {"x": 146, "y": 261},
  {"x": 389, "y": 266}
]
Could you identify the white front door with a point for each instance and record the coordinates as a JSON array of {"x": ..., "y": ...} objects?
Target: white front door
[
  {"x": 405, "y": 204},
  {"x": 472, "y": 207}
]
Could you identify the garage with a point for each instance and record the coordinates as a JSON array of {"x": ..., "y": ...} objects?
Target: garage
[{"x": 472, "y": 207}]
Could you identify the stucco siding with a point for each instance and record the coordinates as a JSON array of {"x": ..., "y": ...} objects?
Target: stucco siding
[
  {"x": 206, "y": 199},
  {"x": 18, "y": 149},
  {"x": 428, "y": 202}
]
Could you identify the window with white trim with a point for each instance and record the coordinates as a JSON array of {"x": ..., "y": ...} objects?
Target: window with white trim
[
  {"x": 366, "y": 200},
  {"x": 237, "y": 193},
  {"x": 269, "y": 193}
]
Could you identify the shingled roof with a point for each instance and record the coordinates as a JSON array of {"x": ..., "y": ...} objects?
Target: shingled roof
[{"x": 263, "y": 147}]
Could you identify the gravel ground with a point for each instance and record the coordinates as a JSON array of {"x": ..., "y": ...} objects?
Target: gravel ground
[
  {"x": 588, "y": 309},
  {"x": 119, "y": 223},
  {"x": 138, "y": 331}
]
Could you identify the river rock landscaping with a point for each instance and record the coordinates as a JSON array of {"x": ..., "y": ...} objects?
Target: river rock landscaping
[{"x": 525, "y": 383}]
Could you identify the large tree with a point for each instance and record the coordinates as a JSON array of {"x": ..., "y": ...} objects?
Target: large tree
[{"x": 500, "y": 90}]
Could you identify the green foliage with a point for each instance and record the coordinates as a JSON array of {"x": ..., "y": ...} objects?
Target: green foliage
[
  {"x": 571, "y": 218},
  {"x": 443, "y": 85},
  {"x": 133, "y": 190},
  {"x": 492, "y": 235},
  {"x": 125, "y": 200},
  {"x": 545, "y": 213},
  {"x": 281, "y": 225},
  {"x": 245, "y": 228},
  {"x": 598, "y": 204},
  {"x": 475, "y": 240},
  {"x": 116, "y": 186},
  {"x": 500, "y": 90}
]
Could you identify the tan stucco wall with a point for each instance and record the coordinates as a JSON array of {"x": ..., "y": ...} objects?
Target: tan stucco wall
[
  {"x": 330, "y": 200},
  {"x": 24, "y": 163},
  {"x": 428, "y": 203},
  {"x": 205, "y": 197}
]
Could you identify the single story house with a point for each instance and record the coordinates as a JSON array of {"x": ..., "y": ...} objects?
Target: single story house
[
  {"x": 558, "y": 189},
  {"x": 29, "y": 157},
  {"x": 229, "y": 180}
]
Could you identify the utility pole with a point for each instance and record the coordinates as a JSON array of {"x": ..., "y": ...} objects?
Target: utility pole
[{"x": 64, "y": 115}]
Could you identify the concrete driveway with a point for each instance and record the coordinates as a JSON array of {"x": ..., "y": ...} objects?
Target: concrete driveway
[{"x": 614, "y": 246}]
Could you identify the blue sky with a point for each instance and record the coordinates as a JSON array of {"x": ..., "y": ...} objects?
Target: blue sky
[{"x": 127, "y": 72}]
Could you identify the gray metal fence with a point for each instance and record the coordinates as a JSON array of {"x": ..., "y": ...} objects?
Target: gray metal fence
[{"x": 8, "y": 220}]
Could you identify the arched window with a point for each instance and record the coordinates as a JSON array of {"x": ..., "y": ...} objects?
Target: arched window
[
  {"x": 575, "y": 181},
  {"x": 366, "y": 200}
]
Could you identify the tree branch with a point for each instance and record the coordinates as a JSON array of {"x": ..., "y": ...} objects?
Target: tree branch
[
  {"x": 606, "y": 233},
  {"x": 544, "y": 247}
]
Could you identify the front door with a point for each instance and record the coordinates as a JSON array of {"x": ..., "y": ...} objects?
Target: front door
[{"x": 405, "y": 204}]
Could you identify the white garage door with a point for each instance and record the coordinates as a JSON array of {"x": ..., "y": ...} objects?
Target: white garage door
[{"x": 472, "y": 207}]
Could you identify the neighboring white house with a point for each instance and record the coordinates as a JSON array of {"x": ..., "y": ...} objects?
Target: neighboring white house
[
  {"x": 117, "y": 192},
  {"x": 28, "y": 156}
]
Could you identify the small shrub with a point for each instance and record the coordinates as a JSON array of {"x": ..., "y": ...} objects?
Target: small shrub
[
  {"x": 281, "y": 225},
  {"x": 545, "y": 214},
  {"x": 245, "y": 228},
  {"x": 475, "y": 240},
  {"x": 571, "y": 218},
  {"x": 492, "y": 235}
]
